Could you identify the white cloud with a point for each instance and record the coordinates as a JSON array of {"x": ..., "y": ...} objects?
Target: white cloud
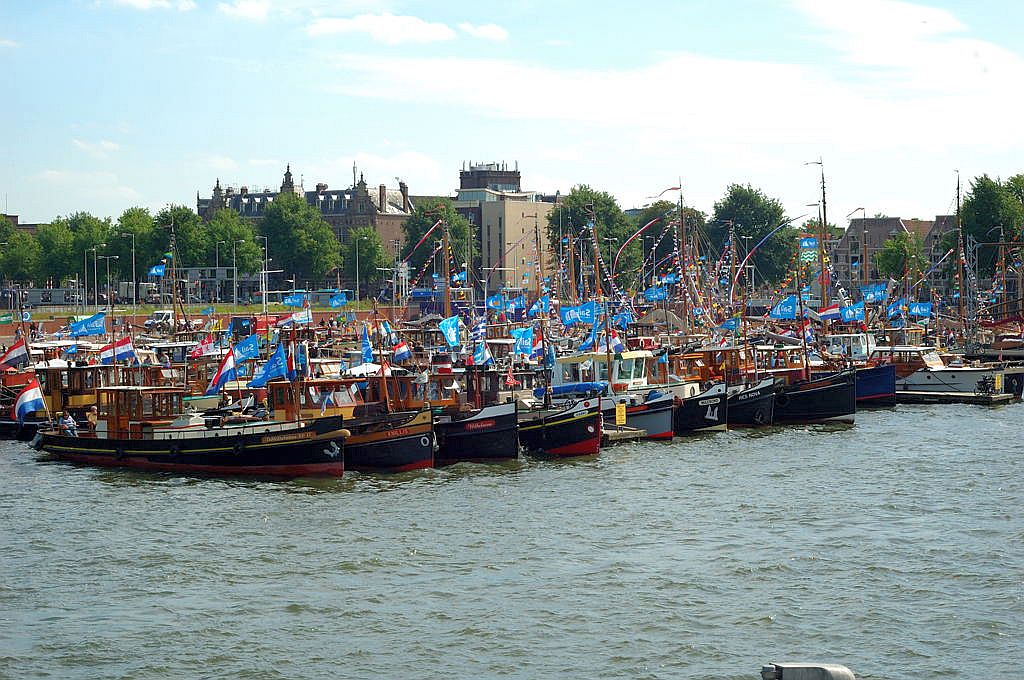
[
  {"x": 389, "y": 29},
  {"x": 180, "y": 5},
  {"x": 255, "y": 10},
  {"x": 4, "y": 42},
  {"x": 100, "y": 149},
  {"x": 485, "y": 31},
  {"x": 97, "y": 186},
  {"x": 218, "y": 162}
]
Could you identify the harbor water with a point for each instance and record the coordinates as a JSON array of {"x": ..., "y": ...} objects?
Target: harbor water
[{"x": 895, "y": 547}]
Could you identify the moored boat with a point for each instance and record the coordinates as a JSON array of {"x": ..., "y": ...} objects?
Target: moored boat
[
  {"x": 829, "y": 399},
  {"x": 574, "y": 429},
  {"x": 141, "y": 428},
  {"x": 705, "y": 412},
  {"x": 752, "y": 405}
]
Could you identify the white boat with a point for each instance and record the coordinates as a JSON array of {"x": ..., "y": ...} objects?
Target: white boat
[{"x": 921, "y": 369}]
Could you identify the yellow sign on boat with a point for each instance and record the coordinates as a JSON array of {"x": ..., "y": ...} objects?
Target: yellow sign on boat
[{"x": 620, "y": 413}]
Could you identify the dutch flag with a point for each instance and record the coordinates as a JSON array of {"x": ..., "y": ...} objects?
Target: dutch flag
[
  {"x": 402, "y": 351},
  {"x": 225, "y": 373},
  {"x": 121, "y": 350},
  {"x": 29, "y": 401},
  {"x": 16, "y": 356},
  {"x": 830, "y": 313}
]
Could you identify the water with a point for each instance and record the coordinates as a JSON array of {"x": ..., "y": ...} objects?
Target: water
[{"x": 895, "y": 547}]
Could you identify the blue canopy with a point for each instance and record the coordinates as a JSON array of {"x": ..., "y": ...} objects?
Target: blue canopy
[{"x": 580, "y": 388}]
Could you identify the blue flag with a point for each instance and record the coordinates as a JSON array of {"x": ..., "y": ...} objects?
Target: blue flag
[
  {"x": 248, "y": 349},
  {"x": 482, "y": 356},
  {"x": 623, "y": 319},
  {"x": 518, "y": 302},
  {"x": 731, "y": 324},
  {"x": 339, "y": 300},
  {"x": 495, "y": 302},
  {"x": 94, "y": 325},
  {"x": 541, "y": 306},
  {"x": 524, "y": 340},
  {"x": 158, "y": 270},
  {"x": 655, "y": 293},
  {"x": 921, "y": 309},
  {"x": 294, "y": 300},
  {"x": 853, "y": 312},
  {"x": 72, "y": 350},
  {"x": 450, "y": 330},
  {"x": 585, "y": 313},
  {"x": 206, "y": 311},
  {"x": 876, "y": 292},
  {"x": 896, "y": 308},
  {"x": 367, "y": 347},
  {"x": 276, "y": 367},
  {"x": 671, "y": 277},
  {"x": 808, "y": 242},
  {"x": 591, "y": 341},
  {"x": 784, "y": 309}
]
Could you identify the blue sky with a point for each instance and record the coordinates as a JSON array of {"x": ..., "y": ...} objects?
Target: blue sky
[{"x": 115, "y": 103}]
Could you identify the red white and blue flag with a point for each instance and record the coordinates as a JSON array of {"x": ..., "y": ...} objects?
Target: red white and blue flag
[
  {"x": 830, "y": 313},
  {"x": 16, "y": 356},
  {"x": 121, "y": 350},
  {"x": 224, "y": 373},
  {"x": 402, "y": 351},
  {"x": 29, "y": 401}
]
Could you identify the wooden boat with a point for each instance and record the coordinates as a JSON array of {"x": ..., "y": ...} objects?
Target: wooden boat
[
  {"x": 829, "y": 399},
  {"x": 921, "y": 369},
  {"x": 381, "y": 437},
  {"x": 573, "y": 429},
  {"x": 141, "y": 428}
]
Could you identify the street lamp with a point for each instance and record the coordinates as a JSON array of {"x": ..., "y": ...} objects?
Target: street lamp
[
  {"x": 234, "y": 270},
  {"x": 110, "y": 298},
  {"x": 95, "y": 274},
  {"x": 135, "y": 281},
  {"x": 356, "y": 246},
  {"x": 263, "y": 274}
]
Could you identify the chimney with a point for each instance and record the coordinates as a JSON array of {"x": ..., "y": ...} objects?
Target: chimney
[
  {"x": 404, "y": 188},
  {"x": 321, "y": 187},
  {"x": 382, "y": 197}
]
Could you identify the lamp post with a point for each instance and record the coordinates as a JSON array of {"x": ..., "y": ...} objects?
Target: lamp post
[
  {"x": 263, "y": 274},
  {"x": 95, "y": 274},
  {"x": 135, "y": 281},
  {"x": 110, "y": 298}
]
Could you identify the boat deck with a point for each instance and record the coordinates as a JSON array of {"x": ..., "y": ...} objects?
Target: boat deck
[
  {"x": 914, "y": 397},
  {"x": 617, "y": 434}
]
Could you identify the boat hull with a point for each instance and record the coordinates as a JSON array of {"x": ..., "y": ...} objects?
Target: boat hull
[
  {"x": 704, "y": 412},
  {"x": 830, "y": 399},
  {"x": 572, "y": 431},
  {"x": 752, "y": 406},
  {"x": 397, "y": 442},
  {"x": 876, "y": 386},
  {"x": 24, "y": 432},
  {"x": 311, "y": 450},
  {"x": 488, "y": 435}
]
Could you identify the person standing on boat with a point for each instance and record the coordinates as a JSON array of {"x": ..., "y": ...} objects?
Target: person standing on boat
[
  {"x": 67, "y": 424},
  {"x": 92, "y": 417}
]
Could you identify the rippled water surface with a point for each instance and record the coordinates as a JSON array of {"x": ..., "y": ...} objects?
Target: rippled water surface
[{"x": 895, "y": 547}]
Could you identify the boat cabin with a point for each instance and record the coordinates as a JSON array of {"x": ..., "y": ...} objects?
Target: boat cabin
[
  {"x": 629, "y": 369},
  {"x": 908, "y": 359},
  {"x": 133, "y": 412},
  {"x": 854, "y": 346}
]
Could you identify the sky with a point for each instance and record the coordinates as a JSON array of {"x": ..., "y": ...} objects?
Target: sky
[{"x": 111, "y": 104}]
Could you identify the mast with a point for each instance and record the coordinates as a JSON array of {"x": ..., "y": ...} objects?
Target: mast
[
  {"x": 803, "y": 332},
  {"x": 545, "y": 371},
  {"x": 822, "y": 233},
  {"x": 684, "y": 265},
  {"x": 446, "y": 266},
  {"x": 960, "y": 260}
]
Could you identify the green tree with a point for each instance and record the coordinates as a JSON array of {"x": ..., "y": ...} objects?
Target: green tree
[
  {"x": 301, "y": 242},
  {"x": 192, "y": 242},
  {"x": 572, "y": 215},
  {"x": 88, "y": 232},
  {"x": 58, "y": 244},
  {"x": 751, "y": 213},
  {"x": 901, "y": 254},
  {"x": 420, "y": 223},
  {"x": 229, "y": 230},
  {"x": 990, "y": 209},
  {"x": 137, "y": 222},
  {"x": 20, "y": 258},
  {"x": 371, "y": 255},
  {"x": 665, "y": 234}
]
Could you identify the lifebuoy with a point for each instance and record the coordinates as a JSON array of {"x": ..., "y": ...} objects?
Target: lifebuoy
[
  {"x": 239, "y": 448},
  {"x": 759, "y": 418},
  {"x": 1015, "y": 382}
]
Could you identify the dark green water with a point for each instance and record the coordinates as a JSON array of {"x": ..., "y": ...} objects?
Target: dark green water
[{"x": 895, "y": 547}]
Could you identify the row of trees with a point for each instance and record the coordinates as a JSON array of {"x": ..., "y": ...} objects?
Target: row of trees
[{"x": 301, "y": 243}]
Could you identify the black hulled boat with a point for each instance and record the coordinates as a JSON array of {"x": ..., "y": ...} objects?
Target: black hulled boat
[
  {"x": 829, "y": 399},
  {"x": 752, "y": 405},
  {"x": 571, "y": 429},
  {"x": 704, "y": 412}
]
